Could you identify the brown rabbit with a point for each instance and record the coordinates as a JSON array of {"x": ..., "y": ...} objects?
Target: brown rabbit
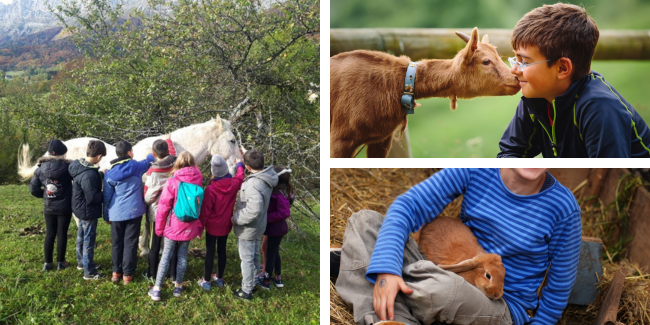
[{"x": 448, "y": 243}]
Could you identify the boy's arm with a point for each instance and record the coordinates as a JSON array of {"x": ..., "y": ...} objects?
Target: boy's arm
[
  {"x": 35, "y": 185},
  {"x": 605, "y": 126},
  {"x": 410, "y": 211},
  {"x": 519, "y": 138},
  {"x": 109, "y": 191},
  {"x": 254, "y": 206},
  {"x": 143, "y": 165},
  {"x": 564, "y": 254}
]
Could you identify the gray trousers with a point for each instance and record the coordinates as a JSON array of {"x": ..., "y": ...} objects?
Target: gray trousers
[
  {"x": 247, "y": 249},
  {"x": 438, "y": 295}
]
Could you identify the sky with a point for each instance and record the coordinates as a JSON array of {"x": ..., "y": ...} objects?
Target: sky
[{"x": 6, "y": 1}]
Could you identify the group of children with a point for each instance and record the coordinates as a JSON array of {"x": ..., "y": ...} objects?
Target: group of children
[{"x": 176, "y": 208}]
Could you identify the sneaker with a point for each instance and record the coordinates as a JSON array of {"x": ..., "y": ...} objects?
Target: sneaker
[
  {"x": 127, "y": 279},
  {"x": 94, "y": 276},
  {"x": 177, "y": 291},
  {"x": 205, "y": 284},
  {"x": 264, "y": 283},
  {"x": 61, "y": 265},
  {"x": 242, "y": 294},
  {"x": 116, "y": 277},
  {"x": 80, "y": 267},
  {"x": 48, "y": 267},
  {"x": 278, "y": 282},
  {"x": 261, "y": 276},
  {"x": 154, "y": 294}
]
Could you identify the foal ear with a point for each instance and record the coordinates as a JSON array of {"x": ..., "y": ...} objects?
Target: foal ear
[
  {"x": 218, "y": 121},
  {"x": 485, "y": 39}
]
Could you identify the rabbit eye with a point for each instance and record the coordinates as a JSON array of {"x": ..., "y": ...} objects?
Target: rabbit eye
[{"x": 487, "y": 275}]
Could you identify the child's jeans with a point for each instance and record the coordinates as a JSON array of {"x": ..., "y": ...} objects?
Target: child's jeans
[
  {"x": 166, "y": 258},
  {"x": 247, "y": 249},
  {"x": 86, "y": 234},
  {"x": 438, "y": 295},
  {"x": 124, "y": 237}
]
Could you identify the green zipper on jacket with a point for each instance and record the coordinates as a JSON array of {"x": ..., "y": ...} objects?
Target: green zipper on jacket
[{"x": 553, "y": 140}]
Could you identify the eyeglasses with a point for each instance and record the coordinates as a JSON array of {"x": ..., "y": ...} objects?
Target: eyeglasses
[{"x": 520, "y": 67}]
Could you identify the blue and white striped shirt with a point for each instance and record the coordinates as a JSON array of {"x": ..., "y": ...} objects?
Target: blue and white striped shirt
[{"x": 529, "y": 232}]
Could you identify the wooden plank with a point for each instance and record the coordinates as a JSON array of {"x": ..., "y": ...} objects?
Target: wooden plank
[
  {"x": 639, "y": 227},
  {"x": 608, "y": 192},
  {"x": 609, "y": 308},
  {"x": 570, "y": 177},
  {"x": 595, "y": 185},
  {"x": 590, "y": 270}
]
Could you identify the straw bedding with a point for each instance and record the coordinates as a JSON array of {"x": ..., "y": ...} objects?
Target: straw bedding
[{"x": 354, "y": 189}]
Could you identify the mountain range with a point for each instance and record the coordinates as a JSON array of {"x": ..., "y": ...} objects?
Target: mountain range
[{"x": 25, "y": 17}]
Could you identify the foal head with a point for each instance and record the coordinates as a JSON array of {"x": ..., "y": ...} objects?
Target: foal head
[{"x": 224, "y": 143}]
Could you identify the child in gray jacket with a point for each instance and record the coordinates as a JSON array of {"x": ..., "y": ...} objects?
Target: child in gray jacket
[{"x": 249, "y": 219}]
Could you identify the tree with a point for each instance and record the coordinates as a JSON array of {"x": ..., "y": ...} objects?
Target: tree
[{"x": 182, "y": 62}]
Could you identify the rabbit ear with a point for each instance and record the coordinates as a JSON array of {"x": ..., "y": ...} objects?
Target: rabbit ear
[{"x": 463, "y": 266}]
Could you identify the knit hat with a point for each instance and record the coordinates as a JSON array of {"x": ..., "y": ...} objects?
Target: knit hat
[
  {"x": 218, "y": 166},
  {"x": 56, "y": 148}
]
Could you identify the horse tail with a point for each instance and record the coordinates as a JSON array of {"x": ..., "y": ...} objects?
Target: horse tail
[{"x": 25, "y": 168}]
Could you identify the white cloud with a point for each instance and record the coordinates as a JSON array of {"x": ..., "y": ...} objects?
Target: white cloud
[{"x": 6, "y": 1}]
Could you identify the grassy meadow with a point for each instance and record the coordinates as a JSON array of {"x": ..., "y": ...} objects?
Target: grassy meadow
[{"x": 30, "y": 296}]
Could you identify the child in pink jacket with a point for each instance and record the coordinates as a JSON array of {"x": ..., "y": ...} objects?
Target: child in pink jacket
[
  {"x": 176, "y": 232},
  {"x": 216, "y": 212}
]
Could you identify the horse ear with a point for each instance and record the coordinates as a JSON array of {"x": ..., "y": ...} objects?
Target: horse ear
[{"x": 218, "y": 121}]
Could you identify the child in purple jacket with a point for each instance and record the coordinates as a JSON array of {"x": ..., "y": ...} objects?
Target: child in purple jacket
[{"x": 276, "y": 227}]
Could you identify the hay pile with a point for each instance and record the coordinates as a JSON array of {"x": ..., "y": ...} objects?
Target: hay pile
[{"x": 354, "y": 189}]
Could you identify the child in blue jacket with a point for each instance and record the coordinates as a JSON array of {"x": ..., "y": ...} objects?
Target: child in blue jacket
[{"x": 124, "y": 207}]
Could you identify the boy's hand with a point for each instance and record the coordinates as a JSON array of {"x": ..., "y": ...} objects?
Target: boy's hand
[{"x": 383, "y": 296}]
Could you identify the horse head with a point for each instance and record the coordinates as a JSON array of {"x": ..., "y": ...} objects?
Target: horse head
[{"x": 224, "y": 143}]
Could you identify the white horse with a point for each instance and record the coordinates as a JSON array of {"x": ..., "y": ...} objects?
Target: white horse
[{"x": 201, "y": 140}]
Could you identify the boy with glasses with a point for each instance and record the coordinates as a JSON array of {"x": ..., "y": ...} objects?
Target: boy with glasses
[{"x": 567, "y": 110}]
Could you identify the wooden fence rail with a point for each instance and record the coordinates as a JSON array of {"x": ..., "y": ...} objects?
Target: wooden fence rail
[{"x": 442, "y": 43}]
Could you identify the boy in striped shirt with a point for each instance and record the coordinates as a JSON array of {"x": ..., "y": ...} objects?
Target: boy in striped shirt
[{"x": 524, "y": 215}]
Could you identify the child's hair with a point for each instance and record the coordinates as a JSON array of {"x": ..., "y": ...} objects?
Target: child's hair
[
  {"x": 185, "y": 159},
  {"x": 160, "y": 148},
  {"x": 122, "y": 148},
  {"x": 284, "y": 180},
  {"x": 95, "y": 148},
  {"x": 254, "y": 159},
  {"x": 559, "y": 30}
]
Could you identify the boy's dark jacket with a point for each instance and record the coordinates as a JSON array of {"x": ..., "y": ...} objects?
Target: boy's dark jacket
[
  {"x": 87, "y": 194},
  {"x": 591, "y": 120},
  {"x": 53, "y": 183}
]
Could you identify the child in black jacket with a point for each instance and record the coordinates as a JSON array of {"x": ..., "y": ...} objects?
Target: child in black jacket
[
  {"x": 53, "y": 183},
  {"x": 87, "y": 201}
]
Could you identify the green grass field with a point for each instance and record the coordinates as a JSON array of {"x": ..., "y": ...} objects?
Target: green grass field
[
  {"x": 475, "y": 128},
  {"x": 28, "y": 295}
]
